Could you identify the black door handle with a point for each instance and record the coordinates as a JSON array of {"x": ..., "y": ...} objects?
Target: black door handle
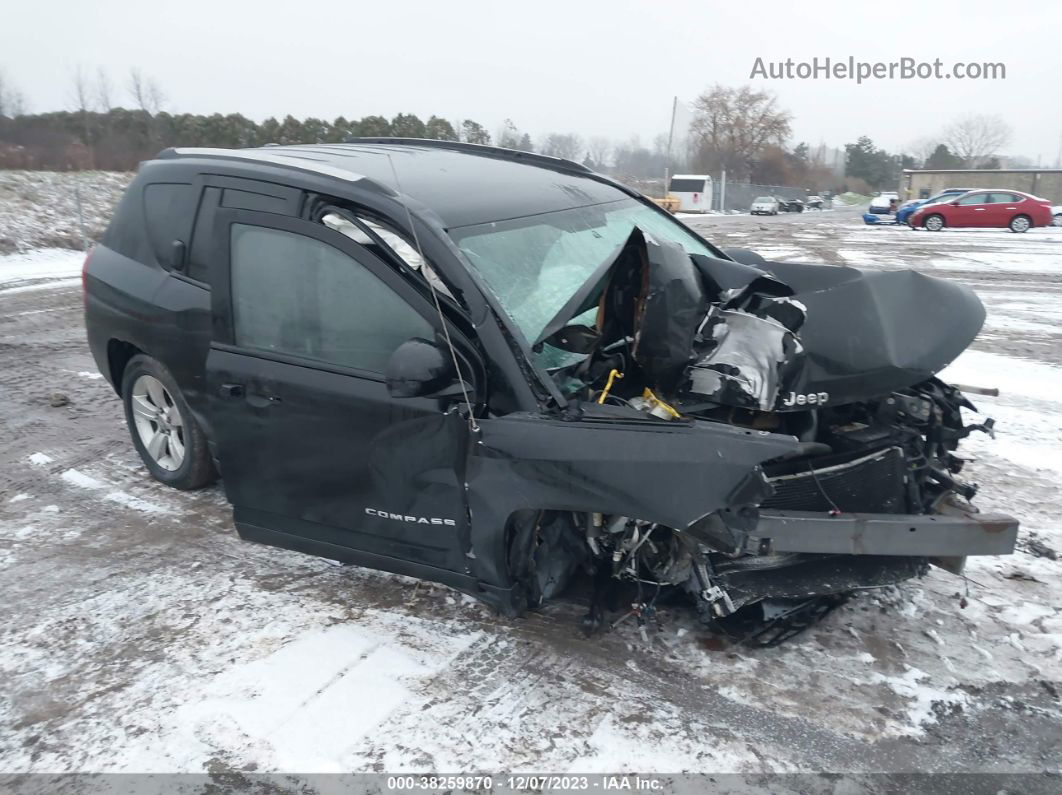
[
  {"x": 262, "y": 399},
  {"x": 231, "y": 390}
]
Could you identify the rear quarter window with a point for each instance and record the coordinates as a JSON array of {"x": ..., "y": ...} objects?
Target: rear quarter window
[{"x": 168, "y": 208}]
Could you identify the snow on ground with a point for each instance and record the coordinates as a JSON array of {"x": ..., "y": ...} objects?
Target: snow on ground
[
  {"x": 137, "y": 633},
  {"x": 40, "y": 268}
]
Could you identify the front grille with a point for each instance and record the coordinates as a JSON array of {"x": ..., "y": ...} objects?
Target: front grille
[{"x": 869, "y": 483}]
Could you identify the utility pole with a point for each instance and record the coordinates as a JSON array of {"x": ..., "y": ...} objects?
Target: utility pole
[{"x": 670, "y": 136}]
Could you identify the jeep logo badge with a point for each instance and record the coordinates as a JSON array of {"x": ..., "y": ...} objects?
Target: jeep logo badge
[{"x": 806, "y": 399}]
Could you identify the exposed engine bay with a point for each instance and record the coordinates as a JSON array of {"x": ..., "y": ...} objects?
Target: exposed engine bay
[{"x": 835, "y": 358}]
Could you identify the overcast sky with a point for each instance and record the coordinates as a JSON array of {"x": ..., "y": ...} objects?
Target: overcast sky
[{"x": 593, "y": 67}]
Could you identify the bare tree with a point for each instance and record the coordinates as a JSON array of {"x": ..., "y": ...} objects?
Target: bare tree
[
  {"x": 104, "y": 90},
  {"x": 566, "y": 145},
  {"x": 80, "y": 90},
  {"x": 977, "y": 137},
  {"x": 12, "y": 102},
  {"x": 598, "y": 149},
  {"x": 922, "y": 148},
  {"x": 145, "y": 92},
  {"x": 81, "y": 95},
  {"x": 731, "y": 126},
  {"x": 509, "y": 135}
]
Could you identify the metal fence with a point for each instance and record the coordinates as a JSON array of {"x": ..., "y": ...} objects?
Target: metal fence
[{"x": 740, "y": 195}]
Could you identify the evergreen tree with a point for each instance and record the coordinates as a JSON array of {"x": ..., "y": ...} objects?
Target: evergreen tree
[
  {"x": 943, "y": 158},
  {"x": 291, "y": 131},
  {"x": 408, "y": 125},
  {"x": 474, "y": 133},
  {"x": 374, "y": 127},
  {"x": 440, "y": 129}
]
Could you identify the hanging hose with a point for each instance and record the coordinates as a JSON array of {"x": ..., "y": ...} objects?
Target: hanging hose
[{"x": 612, "y": 376}]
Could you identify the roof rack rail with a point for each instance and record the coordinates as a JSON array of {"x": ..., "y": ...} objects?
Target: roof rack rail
[{"x": 480, "y": 149}]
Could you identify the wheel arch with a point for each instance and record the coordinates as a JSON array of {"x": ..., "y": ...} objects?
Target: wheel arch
[{"x": 119, "y": 354}]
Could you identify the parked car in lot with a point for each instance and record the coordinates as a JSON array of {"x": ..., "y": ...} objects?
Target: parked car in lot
[
  {"x": 764, "y": 205},
  {"x": 882, "y": 205},
  {"x": 791, "y": 205},
  {"x": 394, "y": 364},
  {"x": 1002, "y": 209},
  {"x": 906, "y": 209},
  {"x": 1056, "y": 212},
  {"x": 815, "y": 203}
]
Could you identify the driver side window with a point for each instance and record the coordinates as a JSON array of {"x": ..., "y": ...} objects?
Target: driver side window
[{"x": 295, "y": 295}]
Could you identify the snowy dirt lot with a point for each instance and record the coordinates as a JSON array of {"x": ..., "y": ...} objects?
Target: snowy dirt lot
[{"x": 140, "y": 635}]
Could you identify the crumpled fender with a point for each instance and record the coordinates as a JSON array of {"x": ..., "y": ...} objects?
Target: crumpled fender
[{"x": 673, "y": 473}]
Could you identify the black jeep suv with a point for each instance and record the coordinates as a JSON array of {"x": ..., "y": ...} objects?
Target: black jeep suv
[{"x": 495, "y": 370}]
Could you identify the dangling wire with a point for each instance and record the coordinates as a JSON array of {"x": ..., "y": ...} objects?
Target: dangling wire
[{"x": 435, "y": 297}]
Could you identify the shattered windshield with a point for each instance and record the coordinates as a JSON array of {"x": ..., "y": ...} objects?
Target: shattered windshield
[{"x": 534, "y": 264}]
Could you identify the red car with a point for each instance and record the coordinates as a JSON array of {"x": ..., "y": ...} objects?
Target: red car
[{"x": 999, "y": 209}]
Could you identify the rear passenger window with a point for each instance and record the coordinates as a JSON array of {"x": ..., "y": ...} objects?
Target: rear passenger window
[
  {"x": 295, "y": 295},
  {"x": 167, "y": 215}
]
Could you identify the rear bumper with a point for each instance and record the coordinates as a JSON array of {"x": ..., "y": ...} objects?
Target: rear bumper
[{"x": 915, "y": 535}]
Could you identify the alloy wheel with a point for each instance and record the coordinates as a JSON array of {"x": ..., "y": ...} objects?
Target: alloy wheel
[{"x": 158, "y": 422}]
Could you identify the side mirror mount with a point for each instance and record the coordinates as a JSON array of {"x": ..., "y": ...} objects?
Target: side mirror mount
[
  {"x": 419, "y": 368},
  {"x": 575, "y": 338},
  {"x": 745, "y": 256}
]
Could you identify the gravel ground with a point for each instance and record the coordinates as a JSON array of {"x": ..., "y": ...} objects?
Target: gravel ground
[{"x": 140, "y": 635}]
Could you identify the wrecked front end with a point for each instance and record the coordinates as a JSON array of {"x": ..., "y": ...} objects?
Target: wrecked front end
[{"x": 761, "y": 440}]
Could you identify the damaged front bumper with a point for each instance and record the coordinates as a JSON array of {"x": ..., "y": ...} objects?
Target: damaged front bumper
[{"x": 930, "y": 535}]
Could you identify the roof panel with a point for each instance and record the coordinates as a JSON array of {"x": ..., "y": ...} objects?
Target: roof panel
[{"x": 464, "y": 186}]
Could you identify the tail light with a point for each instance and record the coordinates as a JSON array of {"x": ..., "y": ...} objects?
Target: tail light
[{"x": 84, "y": 273}]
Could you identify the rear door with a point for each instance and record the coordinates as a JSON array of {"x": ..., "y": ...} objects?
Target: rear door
[
  {"x": 970, "y": 210},
  {"x": 1002, "y": 207},
  {"x": 315, "y": 455}
]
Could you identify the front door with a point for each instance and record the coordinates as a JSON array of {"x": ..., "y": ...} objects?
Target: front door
[
  {"x": 969, "y": 210},
  {"x": 315, "y": 455}
]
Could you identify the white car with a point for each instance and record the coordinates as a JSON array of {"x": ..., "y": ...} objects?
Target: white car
[
  {"x": 883, "y": 204},
  {"x": 1057, "y": 213},
  {"x": 764, "y": 205}
]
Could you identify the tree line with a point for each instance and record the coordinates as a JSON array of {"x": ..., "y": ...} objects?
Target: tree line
[
  {"x": 737, "y": 129},
  {"x": 120, "y": 138}
]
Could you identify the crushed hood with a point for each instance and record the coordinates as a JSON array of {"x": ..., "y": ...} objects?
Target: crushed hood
[{"x": 775, "y": 336}]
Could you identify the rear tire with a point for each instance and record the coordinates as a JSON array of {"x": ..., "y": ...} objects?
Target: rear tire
[
  {"x": 1020, "y": 223},
  {"x": 934, "y": 223},
  {"x": 171, "y": 444}
]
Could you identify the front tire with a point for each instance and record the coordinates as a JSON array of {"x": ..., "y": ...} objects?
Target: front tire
[
  {"x": 934, "y": 223},
  {"x": 1020, "y": 223},
  {"x": 169, "y": 440}
]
